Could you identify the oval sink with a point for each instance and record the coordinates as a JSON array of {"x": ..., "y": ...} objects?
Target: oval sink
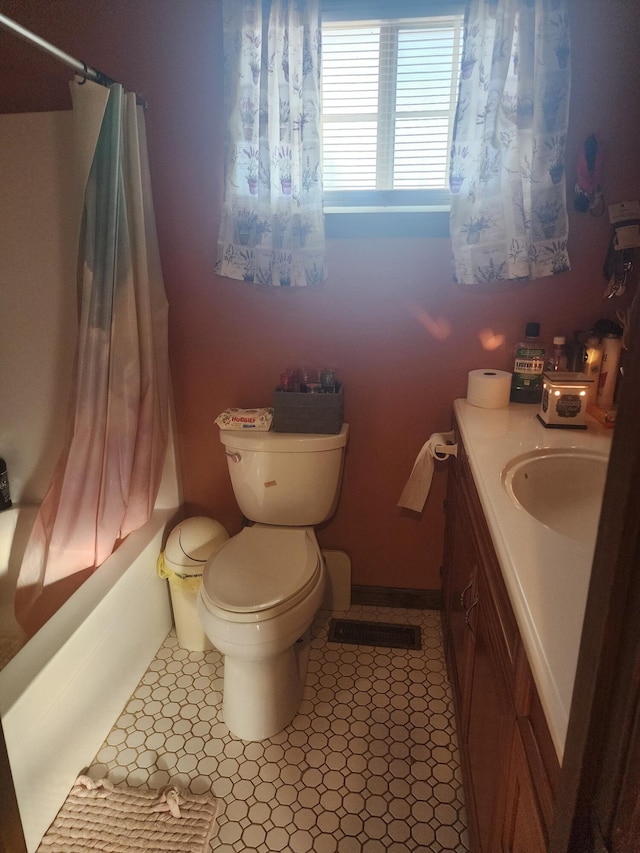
[{"x": 562, "y": 489}]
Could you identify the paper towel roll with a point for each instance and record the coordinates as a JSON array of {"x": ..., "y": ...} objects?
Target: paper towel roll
[
  {"x": 437, "y": 446},
  {"x": 488, "y": 389}
]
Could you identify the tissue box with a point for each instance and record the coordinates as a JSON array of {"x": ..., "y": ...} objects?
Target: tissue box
[{"x": 311, "y": 413}]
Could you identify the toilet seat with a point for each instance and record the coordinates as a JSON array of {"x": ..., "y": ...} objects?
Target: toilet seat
[{"x": 261, "y": 572}]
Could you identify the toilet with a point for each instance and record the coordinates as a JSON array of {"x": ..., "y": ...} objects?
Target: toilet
[{"x": 262, "y": 589}]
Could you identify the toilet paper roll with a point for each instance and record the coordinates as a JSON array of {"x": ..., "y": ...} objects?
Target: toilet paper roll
[
  {"x": 488, "y": 389},
  {"x": 438, "y": 446}
]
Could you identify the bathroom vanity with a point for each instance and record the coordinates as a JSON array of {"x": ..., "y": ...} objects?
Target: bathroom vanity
[{"x": 522, "y": 509}]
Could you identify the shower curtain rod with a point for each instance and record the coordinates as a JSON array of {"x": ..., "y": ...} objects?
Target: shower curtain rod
[{"x": 80, "y": 67}]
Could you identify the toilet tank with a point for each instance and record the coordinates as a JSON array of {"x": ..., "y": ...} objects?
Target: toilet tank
[{"x": 288, "y": 479}]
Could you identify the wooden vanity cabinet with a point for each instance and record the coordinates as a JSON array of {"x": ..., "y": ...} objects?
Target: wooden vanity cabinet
[
  {"x": 508, "y": 760},
  {"x": 520, "y": 829},
  {"x": 460, "y": 596}
]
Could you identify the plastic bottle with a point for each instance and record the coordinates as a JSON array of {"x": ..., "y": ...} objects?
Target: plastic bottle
[
  {"x": 558, "y": 359},
  {"x": 528, "y": 364},
  {"x": 593, "y": 362},
  {"x": 611, "y": 345},
  {"x": 5, "y": 495},
  {"x": 576, "y": 354}
]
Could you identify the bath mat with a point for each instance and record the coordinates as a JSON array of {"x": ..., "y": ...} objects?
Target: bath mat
[
  {"x": 384, "y": 634},
  {"x": 100, "y": 816}
]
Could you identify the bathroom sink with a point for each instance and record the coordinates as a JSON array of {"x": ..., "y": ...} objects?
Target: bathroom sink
[{"x": 561, "y": 488}]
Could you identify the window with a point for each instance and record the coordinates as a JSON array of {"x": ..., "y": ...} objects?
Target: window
[{"x": 389, "y": 89}]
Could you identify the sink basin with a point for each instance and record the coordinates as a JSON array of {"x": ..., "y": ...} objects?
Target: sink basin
[{"x": 560, "y": 488}]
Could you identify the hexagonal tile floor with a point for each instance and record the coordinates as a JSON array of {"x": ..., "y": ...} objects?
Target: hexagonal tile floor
[{"x": 369, "y": 764}]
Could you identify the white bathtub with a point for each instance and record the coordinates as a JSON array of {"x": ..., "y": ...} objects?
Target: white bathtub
[
  {"x": 15, "y": 526},
  {"x": 64, "y": 689}
]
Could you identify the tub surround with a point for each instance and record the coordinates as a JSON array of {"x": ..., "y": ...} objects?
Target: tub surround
[
  {"x": 69, "y": 683},
  {"x": 546, "y": 574}
]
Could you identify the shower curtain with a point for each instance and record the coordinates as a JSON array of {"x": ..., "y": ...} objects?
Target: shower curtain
[{"x": 107, "y": 478}]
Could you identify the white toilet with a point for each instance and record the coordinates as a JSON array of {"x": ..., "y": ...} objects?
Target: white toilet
[{"x": 262, "y": 589}]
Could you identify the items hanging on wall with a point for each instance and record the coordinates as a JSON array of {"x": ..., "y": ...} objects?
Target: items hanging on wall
[
  {"x": 625, "y": 237},
  {"x": 588, "y": 195}
]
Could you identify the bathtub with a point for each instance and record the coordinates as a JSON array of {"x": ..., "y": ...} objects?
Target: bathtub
[
  {"x": 15, "y": 526},
  {"x": 62, "y": 691}
]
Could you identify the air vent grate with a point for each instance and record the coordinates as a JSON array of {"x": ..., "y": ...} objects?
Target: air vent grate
[{"x": 383, "y": 634}]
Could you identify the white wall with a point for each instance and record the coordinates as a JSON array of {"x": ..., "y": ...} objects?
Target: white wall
[{"x": 38, "y": 306}]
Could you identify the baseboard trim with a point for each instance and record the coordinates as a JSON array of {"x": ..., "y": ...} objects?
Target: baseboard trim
[{"x": 386, "y": 596}]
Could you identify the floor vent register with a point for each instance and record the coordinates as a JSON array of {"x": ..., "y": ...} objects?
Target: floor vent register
[{"x": 383, "y": 634}]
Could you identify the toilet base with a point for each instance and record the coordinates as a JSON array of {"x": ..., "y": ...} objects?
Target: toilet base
[{"x": 260, "y": 698}]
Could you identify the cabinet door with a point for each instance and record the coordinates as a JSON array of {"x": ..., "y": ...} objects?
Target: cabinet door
[
  {"x": 521, "y": 829},
  {"x": 459, "y": 594},
  {"x": 509, "y": 764},
  {"x": 464, "y": 599},
  {"x": 490, "y": 723}
]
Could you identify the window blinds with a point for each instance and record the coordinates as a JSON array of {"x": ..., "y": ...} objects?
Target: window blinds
[{"x": 389, "y": 93}]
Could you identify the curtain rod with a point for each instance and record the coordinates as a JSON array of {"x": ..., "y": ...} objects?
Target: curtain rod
[{"x": 80, "y": 67}]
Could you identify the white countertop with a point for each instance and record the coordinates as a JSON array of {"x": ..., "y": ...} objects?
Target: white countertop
[{"x": 546, "y": 574}]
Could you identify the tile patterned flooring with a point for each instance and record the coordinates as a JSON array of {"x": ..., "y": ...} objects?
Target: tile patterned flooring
[{"x": 369, "y": 764}]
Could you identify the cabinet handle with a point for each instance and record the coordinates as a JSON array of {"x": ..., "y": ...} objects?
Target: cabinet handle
[
  {"x": 467, "y": 614},
  {"x": 464, "y": 592}
]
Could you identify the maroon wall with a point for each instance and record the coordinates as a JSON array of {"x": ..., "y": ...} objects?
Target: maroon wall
[{"x": 402, "y": 336}]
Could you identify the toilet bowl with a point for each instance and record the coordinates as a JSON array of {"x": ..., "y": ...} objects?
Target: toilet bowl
[
  {"x": 259, "y": 596},
  {"x": 262, "y": 589}
]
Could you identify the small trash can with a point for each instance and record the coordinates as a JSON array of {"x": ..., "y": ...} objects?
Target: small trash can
[{"x": 190, "y": 544}]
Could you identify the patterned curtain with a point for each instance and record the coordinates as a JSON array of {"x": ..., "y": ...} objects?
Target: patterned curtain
[
  {"x": 272, "y": 229},
  {"x": 507, "y": 172},
  {"x": 107, "y": 478}
]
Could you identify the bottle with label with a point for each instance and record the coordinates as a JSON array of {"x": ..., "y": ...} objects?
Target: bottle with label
[
  {"x": 593, "y": 361},
  {"x": 528, "y": 365},
  {"x": 5, "y": 496},
  {"x": 611, "y": 346},
  {"x": 558, "y": 358},
  {"x": 576, "y": 353}
]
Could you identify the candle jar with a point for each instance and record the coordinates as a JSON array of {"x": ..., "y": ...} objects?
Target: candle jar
[{"x": 564, "y": 400}]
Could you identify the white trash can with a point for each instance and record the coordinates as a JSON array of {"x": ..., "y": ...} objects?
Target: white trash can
[{"x": 190, "y": 544}]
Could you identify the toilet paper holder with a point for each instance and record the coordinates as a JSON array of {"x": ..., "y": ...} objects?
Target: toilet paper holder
[
  {"x": 438, "y": 447},
  {"x": 451, "y": 450}
]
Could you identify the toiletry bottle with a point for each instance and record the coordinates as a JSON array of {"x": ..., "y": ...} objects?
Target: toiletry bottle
[
  {"x": 592, "y": 366},
  {"x": 576, "y": 353},
  {"x": 611, "y": 345},
  {"x": 528, "y": 364},
  {"x": 5, "y": 496},
  {"x": 558, "y": 359}
]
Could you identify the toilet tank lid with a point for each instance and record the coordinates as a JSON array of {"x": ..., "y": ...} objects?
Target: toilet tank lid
[{"x": 283, "y": 442}]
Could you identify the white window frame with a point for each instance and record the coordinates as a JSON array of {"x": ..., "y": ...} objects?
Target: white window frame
[{"x": 391, "y": 16}]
